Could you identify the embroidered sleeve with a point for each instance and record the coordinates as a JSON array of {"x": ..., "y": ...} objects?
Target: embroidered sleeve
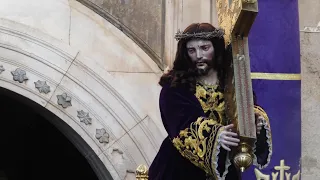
[
  {"x": 194, "y": 135},
  {"x": 263, "y": 145},
  {"x": 199, "y": 143}
]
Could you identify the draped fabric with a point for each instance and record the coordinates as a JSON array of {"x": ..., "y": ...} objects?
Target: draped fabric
[
  {"x": 274, "y": 48},
  {"x": 194, "y": 123}
]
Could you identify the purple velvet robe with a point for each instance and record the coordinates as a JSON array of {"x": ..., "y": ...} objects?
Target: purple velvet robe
[{"x": 182, "y": 113}]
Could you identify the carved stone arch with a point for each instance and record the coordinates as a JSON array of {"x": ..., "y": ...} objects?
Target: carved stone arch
[
  {"x": 94, "y": 161},
  {"x": 80, "y": 93}
]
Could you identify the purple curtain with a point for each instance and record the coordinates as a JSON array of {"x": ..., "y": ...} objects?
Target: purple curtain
[{"x": 275, "y": 48}]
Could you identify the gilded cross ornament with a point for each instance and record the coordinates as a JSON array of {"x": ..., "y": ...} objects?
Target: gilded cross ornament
[
  {"x": 42, "y": 86},
  {"x": 236, "y": 18},
  {"x": 1, "y": 69},
  {"x": 19, "y": 75}
]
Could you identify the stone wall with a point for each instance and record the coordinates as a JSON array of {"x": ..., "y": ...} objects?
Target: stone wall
[
  {"x": 310, "y": 69},
  {"x": 142, "y": 21}
]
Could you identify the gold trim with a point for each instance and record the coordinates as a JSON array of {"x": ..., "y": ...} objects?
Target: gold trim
[
  {"x": 250, "y": 1},
  {"x": 275, "y": 76},
  {"x": 266, "y": 125}
]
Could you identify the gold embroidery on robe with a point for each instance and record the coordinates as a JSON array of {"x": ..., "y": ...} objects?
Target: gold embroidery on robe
[
  {"x": 199, "y": 143},
  {"x": 196, "y": 143},
  {"x": 212, "y": 101}
]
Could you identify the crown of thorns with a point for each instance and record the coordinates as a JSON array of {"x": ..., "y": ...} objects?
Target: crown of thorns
[{"x": 203, "y": 35}]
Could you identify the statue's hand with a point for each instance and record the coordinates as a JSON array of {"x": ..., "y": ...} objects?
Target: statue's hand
[
  {"x": 259, "y": 124},
  {"x": 228, "y": 138}
]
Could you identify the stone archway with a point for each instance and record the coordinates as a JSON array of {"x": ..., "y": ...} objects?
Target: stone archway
[
  {"x": 36, "y": 144},
  {"x": 82, "y": 94}
]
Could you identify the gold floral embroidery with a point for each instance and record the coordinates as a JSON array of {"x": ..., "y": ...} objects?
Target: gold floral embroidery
[
  {"x": 199, "y": 142},
  {"x": 211, "y": 101},
  {"x": 195, "y": 142}
]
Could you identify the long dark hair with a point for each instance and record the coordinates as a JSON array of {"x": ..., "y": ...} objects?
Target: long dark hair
[{"x": 183, "y": 72}]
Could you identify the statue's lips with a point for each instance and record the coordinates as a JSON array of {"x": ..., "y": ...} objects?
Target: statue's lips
[{"x": 201, "y": 64}]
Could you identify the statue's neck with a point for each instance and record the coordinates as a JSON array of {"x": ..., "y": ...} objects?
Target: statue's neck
[{"x": 210, "y": 79}]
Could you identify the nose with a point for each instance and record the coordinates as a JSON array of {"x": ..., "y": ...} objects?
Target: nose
[{"x": 199, "y": 55}]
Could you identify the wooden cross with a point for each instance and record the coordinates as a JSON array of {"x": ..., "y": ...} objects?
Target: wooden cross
[{"x": 236, "y": 18}]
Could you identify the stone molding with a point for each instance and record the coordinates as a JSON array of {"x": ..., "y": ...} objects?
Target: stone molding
[{"x": 66, "y": 70}]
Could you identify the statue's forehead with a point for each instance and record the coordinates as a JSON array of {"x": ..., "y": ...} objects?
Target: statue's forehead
[{"x": 198, "y": 42}]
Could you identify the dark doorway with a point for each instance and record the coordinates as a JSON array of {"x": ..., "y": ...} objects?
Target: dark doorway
[{"x": 34, "y": 149}]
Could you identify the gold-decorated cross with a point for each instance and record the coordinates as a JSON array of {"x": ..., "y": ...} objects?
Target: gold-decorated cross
[{"x": 236, "y": 18}]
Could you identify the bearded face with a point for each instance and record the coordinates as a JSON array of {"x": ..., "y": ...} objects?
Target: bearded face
[{"x": 201, "y": 52}]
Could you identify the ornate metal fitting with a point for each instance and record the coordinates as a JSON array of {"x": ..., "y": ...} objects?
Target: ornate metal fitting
[
  {"x": 243, "y": 159},
  {"x": 142, "y": 172}
]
